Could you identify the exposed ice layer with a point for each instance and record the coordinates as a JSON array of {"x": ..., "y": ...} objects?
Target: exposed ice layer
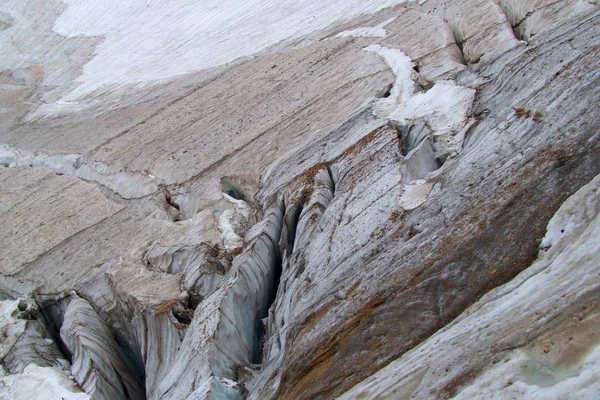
[
  {"x": 388, "y": 278},
  {"x": 368, "y": 31},
  {"x": 479, "y": 27},
  {"x": 146, "y": 41},
  {"x": 322, "y": 195},
  {"x": 39, "y": 383},
  {"x": 98, "y": 364},
  {"x": 159, "y": 342},
  {"x": 147, "y": 336},
  {"x": 572, "y": 244},
  {"x": 191, "y": 247},
  {"x": 199, "y": 265},
  {"x": 540, "y": 382},
  {"x": 510, "y": 317},
  {"x": 223, "y": 331},
  {"x": 531, "y": 17}
]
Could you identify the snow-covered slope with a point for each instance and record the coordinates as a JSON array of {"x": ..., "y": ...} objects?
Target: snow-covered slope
[{"x": 145, "y": 40}]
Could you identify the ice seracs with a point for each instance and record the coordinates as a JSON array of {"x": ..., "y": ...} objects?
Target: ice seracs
[
  {"x": 32, "y": 365},
  {"x": 97, "y": 362}
]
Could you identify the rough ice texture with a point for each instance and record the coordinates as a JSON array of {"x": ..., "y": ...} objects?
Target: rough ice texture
[
  {"x": 531, "y": 17},
  {"x": 97, "y": 364},
  {"x": 336, "y": 209},
  {"x": 530, "y": 349},
  {"x": 442, "y": 250},
  {"x": 32, "y": 365},
  {"x": 480, "y": 27},
  {"x": 225, "y": 338}
]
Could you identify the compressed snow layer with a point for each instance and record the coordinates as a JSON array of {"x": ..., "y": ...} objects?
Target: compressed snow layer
[
  {"x": 150, "y": 40},
  {"x": 37, "y": 383}
]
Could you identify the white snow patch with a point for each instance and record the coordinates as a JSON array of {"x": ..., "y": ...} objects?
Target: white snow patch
[
  {"x": 233, "y": 218},
  {"x": 231, "y": 240},
  {"x": 39, "y": 383},
  {"x": 151, "y": 40},
  {"x": 415, "y": 194},
  {"x": 404, "y": 86},
  {"x": 445, "y": 107},
  {"x": 368, "y": 31},
  {"x": 35, "y": 382}
]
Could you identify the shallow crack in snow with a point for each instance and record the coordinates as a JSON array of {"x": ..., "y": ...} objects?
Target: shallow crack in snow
[{"x": 128, "y": 185}]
